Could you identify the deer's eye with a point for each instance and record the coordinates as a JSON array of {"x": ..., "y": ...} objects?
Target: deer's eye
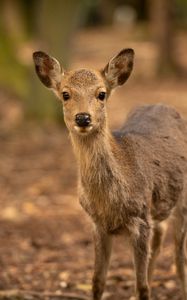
[
  {"x": 65, "y": 96},
  {"x": 102, "y": 96}
]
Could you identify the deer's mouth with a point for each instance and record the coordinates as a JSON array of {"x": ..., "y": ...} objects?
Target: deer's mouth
[{"x": 83, "y": 129}]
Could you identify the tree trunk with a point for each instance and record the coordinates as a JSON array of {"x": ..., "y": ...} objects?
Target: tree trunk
[
  {"x": 107, "y": 8},
  {"x": 162, "y": 29}
]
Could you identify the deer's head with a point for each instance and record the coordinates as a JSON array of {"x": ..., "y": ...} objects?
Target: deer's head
[{"x": 84, "y": 92}]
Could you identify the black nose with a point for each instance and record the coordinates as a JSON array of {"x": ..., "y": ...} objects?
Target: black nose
[{"x": 82, "y": 119}]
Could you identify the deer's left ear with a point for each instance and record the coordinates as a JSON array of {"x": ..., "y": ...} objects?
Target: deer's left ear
[
  {"x": 119, "y": 68},
  {"x": 48, "y": 69}
]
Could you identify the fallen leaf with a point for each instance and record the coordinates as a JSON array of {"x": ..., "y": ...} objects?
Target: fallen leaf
[{"x": 84, "y": 287}]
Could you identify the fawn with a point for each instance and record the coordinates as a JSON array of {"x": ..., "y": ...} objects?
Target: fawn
[{"x": 131, "y": 180}]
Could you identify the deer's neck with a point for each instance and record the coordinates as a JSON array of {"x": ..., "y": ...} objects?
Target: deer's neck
[{"x": 98, "y": 159}]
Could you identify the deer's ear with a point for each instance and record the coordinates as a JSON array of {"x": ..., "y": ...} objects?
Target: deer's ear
[
  {"x": 48, "y": 69},
  {"x": 119, "y": 68}
]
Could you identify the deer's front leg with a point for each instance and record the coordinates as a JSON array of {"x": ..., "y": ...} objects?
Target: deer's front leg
[
  {"x": 103, "y": 245},
  {"x": 141, "y": 246}
]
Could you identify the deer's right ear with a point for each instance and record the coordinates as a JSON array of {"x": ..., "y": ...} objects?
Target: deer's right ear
[{"x": 48, "y": 69}]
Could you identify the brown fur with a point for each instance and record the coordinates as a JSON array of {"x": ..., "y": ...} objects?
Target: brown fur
[{"x": 129, "y": 181}]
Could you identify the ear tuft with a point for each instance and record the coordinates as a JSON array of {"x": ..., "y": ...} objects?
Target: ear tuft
[
  {"x": 48, "y": 69},
  {"x": 119, "y": 68}
]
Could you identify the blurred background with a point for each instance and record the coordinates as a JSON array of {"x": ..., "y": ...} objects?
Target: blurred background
[{"x": 45, "y": 240}]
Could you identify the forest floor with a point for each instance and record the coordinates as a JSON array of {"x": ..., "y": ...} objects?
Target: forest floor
[{"x": 46, "y": 248}]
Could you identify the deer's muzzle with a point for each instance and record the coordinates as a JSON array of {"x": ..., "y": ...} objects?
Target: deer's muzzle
[{"x": 83, "y": 119}]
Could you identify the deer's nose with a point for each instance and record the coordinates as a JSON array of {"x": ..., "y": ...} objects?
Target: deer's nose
[{"x": 83, "y": 119}]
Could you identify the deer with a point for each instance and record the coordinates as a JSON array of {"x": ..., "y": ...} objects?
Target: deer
[{"x": 131, "y": 181}]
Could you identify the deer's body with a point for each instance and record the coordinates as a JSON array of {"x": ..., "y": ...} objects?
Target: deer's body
[
  {"x": 138, "y": 171},
  {"x": 129, "y": 181}
]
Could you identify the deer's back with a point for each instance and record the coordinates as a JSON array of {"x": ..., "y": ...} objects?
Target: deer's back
[
  {"x": 156, "y": 136},
  {"x": 155, "y": 120}
]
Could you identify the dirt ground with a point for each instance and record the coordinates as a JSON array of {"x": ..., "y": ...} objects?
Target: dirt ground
[{"x": 46, "y": 248}]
